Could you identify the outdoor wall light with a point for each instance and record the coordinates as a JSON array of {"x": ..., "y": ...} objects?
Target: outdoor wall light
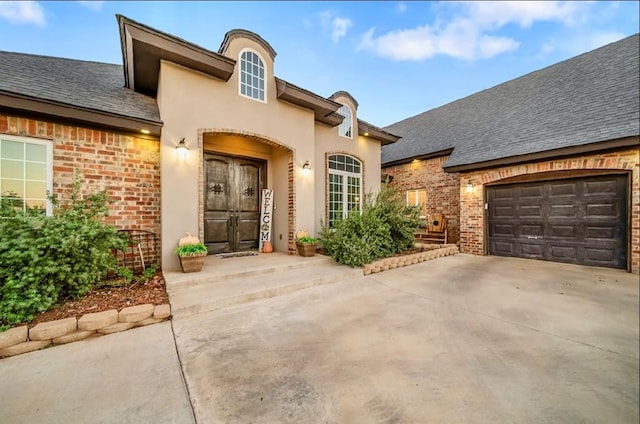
[
  {"x": 306, "y": 168},
  {"x": 182, "y": 148},
  {"x": 469, "y": 188}
]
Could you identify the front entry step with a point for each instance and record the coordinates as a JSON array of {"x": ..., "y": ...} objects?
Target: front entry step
[{"x": 213, "y": 294}]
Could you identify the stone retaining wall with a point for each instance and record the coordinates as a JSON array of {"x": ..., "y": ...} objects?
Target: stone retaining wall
[
  {"x": 429, "y": 251},
  {"x": 22, "y": 339}
]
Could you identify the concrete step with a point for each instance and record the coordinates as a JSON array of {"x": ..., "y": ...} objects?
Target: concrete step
[
  {"x": 218, "y": 270},
  {"x": 204, "y": 296}
]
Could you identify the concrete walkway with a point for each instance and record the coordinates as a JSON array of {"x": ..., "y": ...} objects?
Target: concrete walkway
[{"x": 130, "y": 377}]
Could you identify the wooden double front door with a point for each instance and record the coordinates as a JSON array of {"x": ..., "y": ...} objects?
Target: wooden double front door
[{"x": 232, "y": 190}]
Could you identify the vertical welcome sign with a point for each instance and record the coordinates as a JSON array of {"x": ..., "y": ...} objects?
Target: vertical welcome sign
[{"x": 266, "y": 210}]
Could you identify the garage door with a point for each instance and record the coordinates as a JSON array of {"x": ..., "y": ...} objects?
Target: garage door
[{"x": 581, "y": 220}]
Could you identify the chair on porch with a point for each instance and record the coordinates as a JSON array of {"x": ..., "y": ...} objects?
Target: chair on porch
[{"x": 435, "y": 230}]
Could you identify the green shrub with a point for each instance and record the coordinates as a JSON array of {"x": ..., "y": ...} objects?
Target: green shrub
[
  {"x": 307, "y": 239},
  {"x": 46, "y": 259},
  {"x": 385, "y": 226},
  {"x": 191, "y": 249}
]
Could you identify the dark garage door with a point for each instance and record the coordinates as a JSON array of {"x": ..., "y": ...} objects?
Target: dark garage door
[{"x": 580, "y": 221}]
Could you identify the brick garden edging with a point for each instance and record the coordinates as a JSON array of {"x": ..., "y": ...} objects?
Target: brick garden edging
[
  {"x": 21, "y": 339},
  {"x": 430, "y": 251}
]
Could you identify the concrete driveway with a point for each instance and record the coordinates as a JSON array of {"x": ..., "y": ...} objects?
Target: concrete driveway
[{"x": 454, "y": 340}]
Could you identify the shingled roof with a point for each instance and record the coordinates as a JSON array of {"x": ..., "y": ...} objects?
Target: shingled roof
[
  {"x": 591, "y": 98},
  {"x": 86, "y": 85}
]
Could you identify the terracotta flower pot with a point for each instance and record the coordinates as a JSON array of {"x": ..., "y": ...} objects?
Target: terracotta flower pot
[
  {"x": 306, "y": 249},
  {"x": 193, "y": 263}
]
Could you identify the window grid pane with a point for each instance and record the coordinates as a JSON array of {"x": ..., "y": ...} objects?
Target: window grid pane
[
  {"x": 345, "y": 127},
  {"x": 335, "y": 198},
  {"x": 252, "y": 76},
  {"x": 23, "y": 174}
]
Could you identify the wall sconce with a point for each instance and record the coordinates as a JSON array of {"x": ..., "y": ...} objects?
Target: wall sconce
[
  {"x": 182, "y": 148},
  {"x": 469, "y": 188},
  {"x": 306, "y": 168}
]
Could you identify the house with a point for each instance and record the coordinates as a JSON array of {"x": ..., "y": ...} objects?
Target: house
[
  {"x": 185, "y": 139},
  {"x": 544, "y": 166}
]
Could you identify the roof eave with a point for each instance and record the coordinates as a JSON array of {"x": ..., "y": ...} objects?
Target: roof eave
[
  {"x": 366, "y": 129},
  {"x": 143, "y": 47},
  {"x": 439, "y": 153},
  {"x": 22, "y": 104},
  {"x": 548, "y": 154},
  {"x": 324, "y": 110}
]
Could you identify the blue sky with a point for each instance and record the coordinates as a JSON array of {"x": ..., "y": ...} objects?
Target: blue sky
[{"x": 397, "y": 59}]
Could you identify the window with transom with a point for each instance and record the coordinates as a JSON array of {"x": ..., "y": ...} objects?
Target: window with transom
[{"x": 345, "y": 187}]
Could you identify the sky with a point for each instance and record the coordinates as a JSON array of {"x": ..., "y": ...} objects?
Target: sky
[{"x": 396, "y": 58}]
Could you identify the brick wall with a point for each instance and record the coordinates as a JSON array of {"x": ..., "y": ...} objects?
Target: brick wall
[
  {"x": 442, "y": 188},
  {"x": 127, "y": 166},
  {"x": 472, "y": 213}
]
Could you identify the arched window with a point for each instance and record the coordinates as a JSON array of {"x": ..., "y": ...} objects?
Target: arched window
[
  {"x": 345, "y": 187},
  {"x": 346, "y": 127},
  {"x": 252, "y": 75}
]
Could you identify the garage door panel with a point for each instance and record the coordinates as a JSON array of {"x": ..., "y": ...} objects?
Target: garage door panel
[
  {"x": 599, "y": 255},
  {"x": 563, "y": 231},
  {"x": 600, "y": 233},
  {"x": 530, "y": 211},
  {"x": 563, "y": 211},
  {"x": 504, "y": 211},
  {"x": 562, "y": 189},
  {"x": 602, "y": 186},
  {"x": 601, "y": 210},
  {"x": 502, "y": 230},
  {"x": 531, "y": 250},
  {"x": 533, "y": 230},
  {"x": 563, "y": 252},
  {"x": 577, "y": 220},
  {"x": 504, "y": 248},
  {"x": 505, "y": 193},
  {"x": 532, "y": 192}
]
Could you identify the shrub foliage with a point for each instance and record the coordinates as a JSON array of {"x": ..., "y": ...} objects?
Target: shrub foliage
[
  {"x": 385, "y": 226},
  {"x": 46, "y": 259}
]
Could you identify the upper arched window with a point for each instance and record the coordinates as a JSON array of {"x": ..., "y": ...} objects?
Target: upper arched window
[
  {"x": 346, "y": 127},
  {"x": 252, "y": 75}
]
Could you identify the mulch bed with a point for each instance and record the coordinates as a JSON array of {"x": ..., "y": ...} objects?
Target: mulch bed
[{"x": 115, "y": 296}]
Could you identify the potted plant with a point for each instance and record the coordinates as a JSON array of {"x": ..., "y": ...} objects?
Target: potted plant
[
  {"x": 306, "y": 246},
  {"x": 191, "y": 253}
]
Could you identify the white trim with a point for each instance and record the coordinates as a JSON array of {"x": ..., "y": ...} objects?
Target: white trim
[
  {"x": 264, "y": 67},
  {"x": 348, "y": 119},
  {"x": 49, "y": 162}
]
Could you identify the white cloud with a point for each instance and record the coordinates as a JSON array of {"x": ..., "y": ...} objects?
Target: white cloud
[
  {"x": 467, "y": 35},
  {"x": 580, "y": 43},
  {"x": 402, "y": 7},
  {"x": 496, "y": 14},
  {"x": 22, "y": 12},
  {"x": 339, "y": 27},
  {"x": 93, "y": 5}
]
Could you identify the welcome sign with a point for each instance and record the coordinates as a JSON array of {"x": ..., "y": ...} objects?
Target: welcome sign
[{"x": 266, "y": 210}]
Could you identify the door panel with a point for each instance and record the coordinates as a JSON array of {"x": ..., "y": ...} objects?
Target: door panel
[
  {"x": 233, "y": 187},
  {"x": 249, "y": 191},
  {"x": 217, "y": 193},
  {"x": 580, "y": 220}
]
